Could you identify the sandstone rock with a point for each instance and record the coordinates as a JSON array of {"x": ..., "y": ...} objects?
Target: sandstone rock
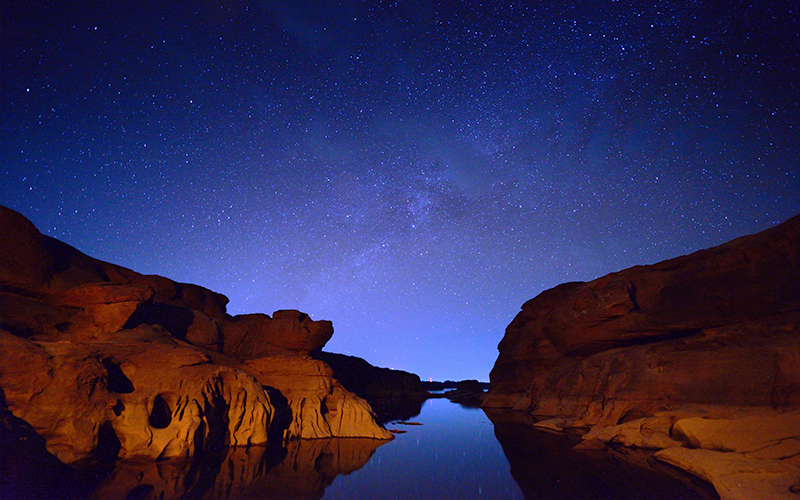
[
  {"x": 552, "y": 424},
  {"x": 108, "y": 305},
  {"x": 392, "y": 394},
  {"x": 27, "y": 469},
  {"x": 646, "y": 334},
  {"x": 630, "y": 354},
  {"x": 103, "y": 362},
  {"x": 770, "y": 435},
  {"x": 157, "y": 399},
  {"x": 653, "y": 433},
  {"x": 24, "y": 260},
  {"x": 641, "y": 339},
  {"x": 735, "y": 476},
  {"x": 60, "y": 390},
  {"x": 182, "y": 403},
  {"x": 549, "y": 465},
  {"x": 320, "y": 406},
  {"x": 371, "y": 382},
  {"x": 251, "y": 336}
]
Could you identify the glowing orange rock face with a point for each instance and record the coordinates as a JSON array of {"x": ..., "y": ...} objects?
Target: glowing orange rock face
[{"x": 104, "y": 362}]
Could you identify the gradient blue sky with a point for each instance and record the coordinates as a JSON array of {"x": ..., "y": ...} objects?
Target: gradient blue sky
[{"x": 412, "y": 171}]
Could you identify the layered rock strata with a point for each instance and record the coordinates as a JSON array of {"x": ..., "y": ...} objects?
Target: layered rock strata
[
  {"x": 639, "y": 355},
  {"x": 104, "y": 362}
]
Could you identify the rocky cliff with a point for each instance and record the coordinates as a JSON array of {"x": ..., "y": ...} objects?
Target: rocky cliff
[
  {"x": 642, "y": 355},
  {"x": 104, "y": 362}
]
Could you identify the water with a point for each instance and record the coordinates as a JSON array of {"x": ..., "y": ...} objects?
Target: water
[{"x": 452, "y": 455}]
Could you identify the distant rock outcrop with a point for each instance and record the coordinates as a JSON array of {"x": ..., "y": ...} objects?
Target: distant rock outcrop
[
  {"x": 393, "y": 394},
  {"x": 103, "y": 362},
  {"x": 631, "y": 355}
]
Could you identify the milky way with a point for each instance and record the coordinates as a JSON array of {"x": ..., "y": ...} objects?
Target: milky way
[{"x": 412, "y": 171}]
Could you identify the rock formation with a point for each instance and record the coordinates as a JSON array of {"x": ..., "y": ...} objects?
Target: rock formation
[
  {"x": 640, "y": 355},
  {"x": 393, "y": 394},
  {"x": 103, "y": 362},
  {"x": 546, "y": 465}
]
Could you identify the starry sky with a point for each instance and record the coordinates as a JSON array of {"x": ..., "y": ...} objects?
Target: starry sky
[{"x": 412, "y": 171}]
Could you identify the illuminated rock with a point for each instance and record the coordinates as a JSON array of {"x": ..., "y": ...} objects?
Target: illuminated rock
[
  {"x": 736, "y": 476},
  {"x": 320, "y": 406},
  {"x": 105, "y": 362},
  {"x": 251, "y": 336}
]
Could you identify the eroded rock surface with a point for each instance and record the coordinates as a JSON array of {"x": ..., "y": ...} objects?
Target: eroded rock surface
[
  {"x": 103, "y": 362},
  {"x": 686, "y": 352}
]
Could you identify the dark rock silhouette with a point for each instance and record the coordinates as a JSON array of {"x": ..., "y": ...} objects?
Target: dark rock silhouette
[
  {"x": 393, "y": 394},
  {"x": 633, "y": 355},
  {"x": 467, "y": 393}
]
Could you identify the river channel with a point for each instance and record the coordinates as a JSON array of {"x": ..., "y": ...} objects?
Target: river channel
[{"x": 444, "y": 451}]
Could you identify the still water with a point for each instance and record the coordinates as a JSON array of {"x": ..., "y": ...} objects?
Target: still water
[
  {"x": 453, "y": 454},
  {"x": 446, "y": 452}
]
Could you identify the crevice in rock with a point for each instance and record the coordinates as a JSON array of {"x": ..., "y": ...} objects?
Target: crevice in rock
[
  {"x": 117, "y": 380},
  {"x": 176, "y": 320},
  {"x": 118, "y": 408},
  {"x": 161, "y": 414},
  {"x": 282, "y": 416},
  {"x": 630, "y": 415},
  {"x": 653, "y": 339},
  {"x": 141, "y": 492},
  {"x": 108, "y": 444},
  {"x": 632, "y": 296}
]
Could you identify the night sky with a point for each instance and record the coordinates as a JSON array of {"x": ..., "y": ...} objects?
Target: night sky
[{"x": 412, "y": 171}]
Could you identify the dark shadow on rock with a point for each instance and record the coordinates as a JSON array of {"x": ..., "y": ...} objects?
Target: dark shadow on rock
[
  {"x": 176, "y": 320},
  {"x": 29, "y": 471},
  {"x": 393, "y": 394},
  {"x": 281, "y": 418},
  {"x": 117, "y": 380},
  {"x": 544, "y": 465}
]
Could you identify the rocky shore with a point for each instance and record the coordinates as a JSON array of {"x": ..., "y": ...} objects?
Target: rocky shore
[
  {"x": 697, "y": 357},
  {"x": 98, "y": 362}
]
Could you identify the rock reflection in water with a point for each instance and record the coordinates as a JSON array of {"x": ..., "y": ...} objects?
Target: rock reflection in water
[
  {"x": 302, "y": 470},
  {"x": 544, "y": 465}
]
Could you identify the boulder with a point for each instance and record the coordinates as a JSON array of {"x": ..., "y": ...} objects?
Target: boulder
[{"x": 765, "y": 435}]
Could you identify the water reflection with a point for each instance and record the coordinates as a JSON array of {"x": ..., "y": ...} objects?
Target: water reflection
[
  {"x": 544, "y": 466},
  {"x": 456, "y": 453},
  {"x": 302, "y": 470},
  {"x": 452, "y": 455}
]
